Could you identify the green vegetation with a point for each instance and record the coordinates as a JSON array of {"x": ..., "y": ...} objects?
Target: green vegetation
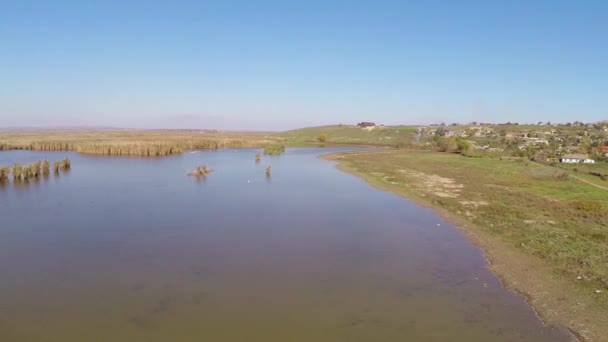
[
  {"x": 268, "y": 171},
  {"x": 274, "y": 149},
  {"x": 322, "y": 138},
  {"x": 396, "y": 136},
  {"x": 258, "y": 158},
  {"x": 202, "y": 170},
  {"x": 131, "y": 142}
]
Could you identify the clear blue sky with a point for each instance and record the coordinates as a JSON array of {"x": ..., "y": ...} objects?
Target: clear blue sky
[{"x": 283, "y": 64}]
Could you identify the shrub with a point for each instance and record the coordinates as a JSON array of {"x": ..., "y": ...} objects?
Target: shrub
[
  {"x": 274, "y": 149},
  {"x": 258, "y": 157},
  {"x": 322, "y": 138},
  {"x": 562, "y": 176},
  {"x": 268, "y": 170},
  {"x": 202, "y": 170},
  {"x": 588, "y": 206}
]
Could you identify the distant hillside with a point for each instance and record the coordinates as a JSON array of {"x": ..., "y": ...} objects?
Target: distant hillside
[{"x": 348, "y": 134}]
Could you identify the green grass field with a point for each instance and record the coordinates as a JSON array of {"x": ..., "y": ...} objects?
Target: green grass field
[{"x": 345, "y": 134}]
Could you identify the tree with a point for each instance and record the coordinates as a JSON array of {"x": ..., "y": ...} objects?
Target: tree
[
  {"x": 440, "y": 132},
  {"x": 464, "y": 146},
  {"x": 322, "y": 138}
]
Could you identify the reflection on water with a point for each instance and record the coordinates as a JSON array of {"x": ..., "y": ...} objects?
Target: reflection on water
[{"x": 131, "y": 249}]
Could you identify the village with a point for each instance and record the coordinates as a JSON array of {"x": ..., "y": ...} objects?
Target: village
[{"x": 569, "y": 143}]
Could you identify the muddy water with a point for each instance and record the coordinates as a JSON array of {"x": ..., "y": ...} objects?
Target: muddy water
[{"x": 127, "y": 249}]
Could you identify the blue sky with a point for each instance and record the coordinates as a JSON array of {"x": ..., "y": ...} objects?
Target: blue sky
[{"x": 284, "y": 64}]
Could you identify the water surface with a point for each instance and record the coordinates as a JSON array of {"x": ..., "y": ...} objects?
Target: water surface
[{"x": 131, "y": 249}]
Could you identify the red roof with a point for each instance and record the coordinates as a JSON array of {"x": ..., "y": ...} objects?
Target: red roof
[{"x": 602, "y": 148}]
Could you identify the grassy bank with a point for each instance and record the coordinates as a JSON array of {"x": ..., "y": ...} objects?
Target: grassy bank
[
  {"x": 545, "y": 231},
  {"x": 131, "y": 142}
]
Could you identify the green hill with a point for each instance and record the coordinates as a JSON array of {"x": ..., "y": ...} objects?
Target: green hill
[{"x": 347, "y": 134}]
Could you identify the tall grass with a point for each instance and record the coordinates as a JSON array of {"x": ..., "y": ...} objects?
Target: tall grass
[
  {"x": 62, "y": 165},
  {"x": 33, "y": 170},
  {"x": 45, "y": 167},
  {"x": 17, "y": 172},
  {"x": 4, "y": 173},
  {"x": 131, "y": 143}
]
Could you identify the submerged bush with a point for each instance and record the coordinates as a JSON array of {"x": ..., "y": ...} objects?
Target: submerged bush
[
  {"x": 258, "y": 158},
  {"x": 588, "y": 206},
  {"x": 274, "y": 149},
  {"x": 200, "y": 171},
  {"x": 268, "y": 170}
]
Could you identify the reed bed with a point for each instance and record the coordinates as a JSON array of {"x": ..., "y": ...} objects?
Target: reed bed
[
  {"x": 33, "y": 170},
  {"x": 5, "y": 171},
  {"x": 131, "y": 143}
]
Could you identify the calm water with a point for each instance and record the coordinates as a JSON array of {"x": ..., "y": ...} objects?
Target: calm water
[{"x": 127, "y": 249}]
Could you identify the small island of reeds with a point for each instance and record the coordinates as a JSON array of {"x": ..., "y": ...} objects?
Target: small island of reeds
[{"x": 32, "y": 171}]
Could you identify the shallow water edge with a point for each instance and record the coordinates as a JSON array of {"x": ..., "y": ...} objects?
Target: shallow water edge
[{"x": 555, "y": 302}]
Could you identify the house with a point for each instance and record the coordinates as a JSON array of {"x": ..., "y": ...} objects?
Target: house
[
  {"x": 576, "y": 158},
  {"x": 365, "y": 124},
  {"x": 602, "y": 150}
]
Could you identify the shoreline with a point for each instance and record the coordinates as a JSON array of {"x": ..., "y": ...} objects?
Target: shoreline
[{"x": 554, "y": 301}]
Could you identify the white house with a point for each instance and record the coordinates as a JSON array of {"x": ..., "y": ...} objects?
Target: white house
[{"x": 577, "y": 158}]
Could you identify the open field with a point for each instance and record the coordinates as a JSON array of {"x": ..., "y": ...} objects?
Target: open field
[
  {"x": 544, "y": 231},
  {"x": 347, "y": 134},
  {"x": 131, "y": 142}
]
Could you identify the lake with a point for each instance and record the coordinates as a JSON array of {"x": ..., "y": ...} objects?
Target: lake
[{"x": 132, "y": 249}]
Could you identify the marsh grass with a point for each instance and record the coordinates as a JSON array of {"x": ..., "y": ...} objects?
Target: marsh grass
[
  {"x": 268, "y": 171},
  {"x": 4, "y": 173},
  {"x": 258, "y": 158},
  {"x": 33, "y": 171},
  {"x": 131, "y": 143},
  {"x": 17, "y": 172},
  {"x": 45, "y": 165}
]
